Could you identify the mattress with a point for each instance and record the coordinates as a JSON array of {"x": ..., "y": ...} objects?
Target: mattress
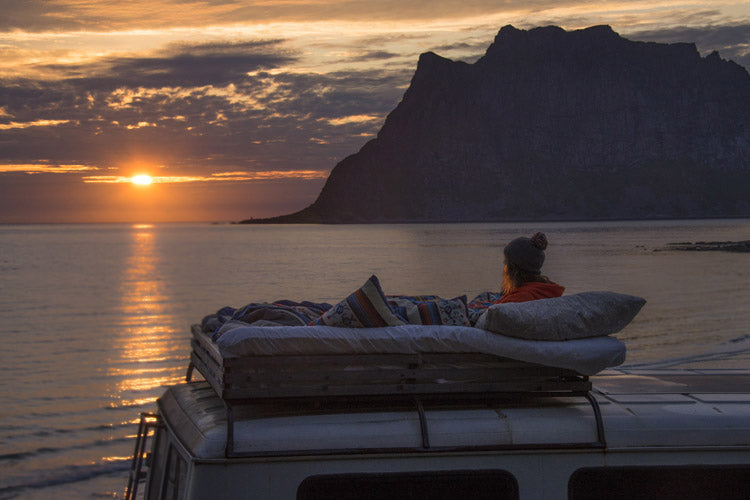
[{"x": 586, "y": 356}]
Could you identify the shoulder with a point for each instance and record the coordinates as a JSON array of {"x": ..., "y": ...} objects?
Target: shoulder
[
  {"x": 520, "y": 294},
  {"x": 533, "y": 291}
]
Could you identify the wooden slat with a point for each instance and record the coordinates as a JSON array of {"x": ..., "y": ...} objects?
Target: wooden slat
[
  {"x": 384, "y": 389},
  {"x": 206, "y": 344},
  {"x": 318, "y": 362},
  {"x": 209, "y": 374},
  {"x": 207, "y": 357},
  {"x": 257, "y": 377},
  {"x": 376, "y": 374}
]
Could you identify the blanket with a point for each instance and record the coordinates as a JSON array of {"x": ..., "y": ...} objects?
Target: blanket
[
  {"x": 278, "y": 313},
  {"x": 291, "y": 313}
]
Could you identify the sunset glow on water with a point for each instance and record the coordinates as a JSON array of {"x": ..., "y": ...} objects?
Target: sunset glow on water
[{"x": 96, "y": 318}]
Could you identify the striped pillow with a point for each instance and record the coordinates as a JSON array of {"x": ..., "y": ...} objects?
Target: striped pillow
[
  {"x": 431, "y": 309},
  {"x": 365, "y": 308}
]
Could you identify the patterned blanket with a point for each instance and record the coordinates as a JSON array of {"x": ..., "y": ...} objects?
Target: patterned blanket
[{"x": 412, "y": 309}]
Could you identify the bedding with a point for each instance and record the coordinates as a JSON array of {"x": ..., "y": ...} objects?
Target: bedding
[
  {"x": 431, "y": 309},
  {"x": 278, "y": 313},
  {"x": 366, "y": 307},
  {"x": 570, "y": 332},
  {"x": 585, "y": 356}
]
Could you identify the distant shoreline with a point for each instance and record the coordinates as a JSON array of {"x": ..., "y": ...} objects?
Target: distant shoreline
[
  {"x": 288, "y": 219},
  {"x": 273, "y": 220},
  {"x": 710, "y": 246}
]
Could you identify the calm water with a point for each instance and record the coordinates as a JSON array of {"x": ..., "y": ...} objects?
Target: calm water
[{"x": 94, "y": 319}]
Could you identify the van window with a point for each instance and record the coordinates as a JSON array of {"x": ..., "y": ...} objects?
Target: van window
[
  {"x": 174, "y": 484},
  {"x": 433, "y": 485},
  {"x": 167, "y": 470},
  {"x": 690, "y": 482}
]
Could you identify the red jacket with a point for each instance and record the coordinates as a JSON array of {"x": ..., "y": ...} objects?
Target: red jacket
[{"x": 533, "y": 291}]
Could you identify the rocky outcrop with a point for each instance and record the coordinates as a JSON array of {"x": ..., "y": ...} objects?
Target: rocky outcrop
[{"x": 554, "y": 125}]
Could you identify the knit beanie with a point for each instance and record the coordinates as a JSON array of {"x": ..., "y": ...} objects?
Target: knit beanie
[{"x": 527, "y": 253}]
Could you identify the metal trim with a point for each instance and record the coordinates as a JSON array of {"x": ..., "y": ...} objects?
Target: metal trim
[
  {"x": 148, "y": 422},
  {"x": 229, "y": 451}
]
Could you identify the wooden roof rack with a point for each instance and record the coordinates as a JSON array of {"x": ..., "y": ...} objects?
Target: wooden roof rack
[{"x": 379, "y": 379}]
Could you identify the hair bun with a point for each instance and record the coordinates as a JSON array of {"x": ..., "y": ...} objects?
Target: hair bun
[{"x": 539, "y": 240}]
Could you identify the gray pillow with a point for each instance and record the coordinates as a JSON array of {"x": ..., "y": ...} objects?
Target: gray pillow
[{"x": 587, "y": 314}]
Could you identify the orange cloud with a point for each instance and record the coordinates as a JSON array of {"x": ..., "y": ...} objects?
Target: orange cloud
[
  {"x": 217, "y": 177},
  {"x": 345, "y": 120},
  {"x": 141, "y": 125},
  {"x": 44, "y": 168},
  {"x": 36, "y": 123}
]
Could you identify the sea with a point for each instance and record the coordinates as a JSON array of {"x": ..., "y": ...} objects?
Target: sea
[{"x": 94, "y": 319}]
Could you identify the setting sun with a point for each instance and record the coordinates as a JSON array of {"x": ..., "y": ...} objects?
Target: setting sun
[{"x": 142, "y": 180}]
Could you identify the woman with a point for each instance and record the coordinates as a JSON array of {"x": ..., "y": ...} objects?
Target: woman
[{"x": 522, "y": 273}]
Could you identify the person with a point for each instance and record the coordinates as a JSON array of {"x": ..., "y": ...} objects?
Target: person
[{"x": 522, "y": 273}]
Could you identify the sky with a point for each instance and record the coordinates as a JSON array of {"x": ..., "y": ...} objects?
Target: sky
[{"x": 224, "y": 110}]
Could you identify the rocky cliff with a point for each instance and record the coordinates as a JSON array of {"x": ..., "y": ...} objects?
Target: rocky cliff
[{"x": 554, "y": 125}]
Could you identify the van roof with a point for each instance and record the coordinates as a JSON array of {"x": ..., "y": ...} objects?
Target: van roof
[{"x": 640, "y": 409}]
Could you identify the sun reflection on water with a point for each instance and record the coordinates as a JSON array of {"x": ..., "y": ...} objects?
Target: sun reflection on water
[{"x": 146, "y": 346}]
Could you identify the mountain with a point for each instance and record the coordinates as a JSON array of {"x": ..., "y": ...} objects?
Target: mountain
[{"x": 554, "y": 125}]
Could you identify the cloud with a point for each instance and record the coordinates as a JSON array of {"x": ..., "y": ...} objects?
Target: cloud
[
  {"x": 176, "y": 66},
  {"x": 732, "y": 41},
  {"x": 372, "y": 55},
  {"x": 35, "y": 123},
  {"x": 479, "y": 46},
  {"x": 41, "y": 15},
  {"x": 44, "y": 168},
  {"x": 345, "y": 120},
  {"x": 232, "y": 177},
  {"x": 187, "y": 102},
  {"x": 60, "y": 15},
  {"x": 32, "y": 15}
]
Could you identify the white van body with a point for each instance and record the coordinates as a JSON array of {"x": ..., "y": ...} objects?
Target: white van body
[{"x": 660, "y": 434}]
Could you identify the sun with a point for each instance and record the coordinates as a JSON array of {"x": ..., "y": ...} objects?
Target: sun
[{"x": 142, "y": 180}]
